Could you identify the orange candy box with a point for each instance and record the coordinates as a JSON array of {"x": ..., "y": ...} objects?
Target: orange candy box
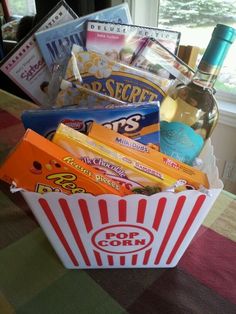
[
  {"x": 38, "y": 165},
  {"x": 193, "y": 177}
]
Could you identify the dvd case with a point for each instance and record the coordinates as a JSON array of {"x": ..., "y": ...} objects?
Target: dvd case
[
  {"x": 122, "y": 42},
  {"x": 155, "y": 58},
  {"x": 25, "y": 65},
  {"x": 115, "y": 79},
  {"x": 52, "y": 42}
]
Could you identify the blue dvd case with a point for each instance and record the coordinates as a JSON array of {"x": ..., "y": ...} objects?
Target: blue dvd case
[{"x": 56, "y": 43}]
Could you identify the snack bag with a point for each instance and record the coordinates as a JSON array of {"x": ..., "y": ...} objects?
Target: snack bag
[
  {"x": 45, "y": 167},
  {"x": 114, "y": 79},
  {"x": 71, "y": 94}
]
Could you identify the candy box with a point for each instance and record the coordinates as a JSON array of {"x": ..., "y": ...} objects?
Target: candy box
[
  {"x": 134, "y": 231},
  {"x": 139, "y": 121},
  {"x": 126, "y": 170},
  {"x": 192, "y": 177},
  {"x": 45, "y": 167}
]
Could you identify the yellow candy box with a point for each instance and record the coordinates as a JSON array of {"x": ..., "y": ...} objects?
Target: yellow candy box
[{"x": 127, "y": 171}]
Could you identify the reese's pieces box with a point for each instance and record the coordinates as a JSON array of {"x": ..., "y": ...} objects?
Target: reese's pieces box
[{"x": 38, "y": 165}]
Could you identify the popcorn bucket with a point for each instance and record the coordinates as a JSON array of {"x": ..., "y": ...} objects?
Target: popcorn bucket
[{"x": 138, "y": 231}]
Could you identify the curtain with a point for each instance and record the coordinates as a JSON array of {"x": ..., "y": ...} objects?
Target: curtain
[{"x": 81, "y": 7}]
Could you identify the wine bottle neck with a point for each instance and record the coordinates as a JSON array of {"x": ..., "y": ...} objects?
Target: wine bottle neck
[
  {"x": 204, "y": 79},
  {"x": 214, "y": 56}
]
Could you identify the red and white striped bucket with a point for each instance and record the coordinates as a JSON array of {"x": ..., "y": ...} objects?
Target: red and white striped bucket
[{"x": 108, "y": 231}]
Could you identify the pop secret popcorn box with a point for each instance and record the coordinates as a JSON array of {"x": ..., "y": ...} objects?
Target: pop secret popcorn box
[
  {"x": 123, "y": 82},
  {"x": 135, "y": 231}
]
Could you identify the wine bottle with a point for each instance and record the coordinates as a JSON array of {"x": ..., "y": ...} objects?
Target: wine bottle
[{"x": 189, "y": 115}]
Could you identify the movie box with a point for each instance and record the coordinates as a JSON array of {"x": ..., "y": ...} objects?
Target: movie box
[
  {"x": 57, "y": 42},
  {"x": 25, "y": 65},
  {"x": 122, "y": 42}
]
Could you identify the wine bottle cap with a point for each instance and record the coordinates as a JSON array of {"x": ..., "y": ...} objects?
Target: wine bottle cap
[{"x": 224, "y": 32}]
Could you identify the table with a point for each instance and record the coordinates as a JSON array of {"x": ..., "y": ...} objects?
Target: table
[{"x": 33, "y": 280}]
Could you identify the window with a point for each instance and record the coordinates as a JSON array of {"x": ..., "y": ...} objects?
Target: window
[
  {"x": 21, "y": 7},
  {"x": 196, "y": 19}
]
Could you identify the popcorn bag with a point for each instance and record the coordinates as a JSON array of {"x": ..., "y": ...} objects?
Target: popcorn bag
[{"x": 135, "y": 231}]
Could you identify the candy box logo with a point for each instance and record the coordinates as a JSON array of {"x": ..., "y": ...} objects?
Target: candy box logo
[
  {"x": 126, "y": 124},
  {"x": 130, "y": 124},
  {"x": 79, "y": 125},
  {"x": 122, "y": 239},
  {"x": 125, "y": 87},
  {"x": 171, "y": 163}
]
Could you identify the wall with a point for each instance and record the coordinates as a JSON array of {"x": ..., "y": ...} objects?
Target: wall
[
  {"x": 140, "y": 11},
  {"x": 224, "y": 143}
]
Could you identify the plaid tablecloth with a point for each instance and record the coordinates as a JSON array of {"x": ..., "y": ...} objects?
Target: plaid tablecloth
[{"x": 33, "y": 280}]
